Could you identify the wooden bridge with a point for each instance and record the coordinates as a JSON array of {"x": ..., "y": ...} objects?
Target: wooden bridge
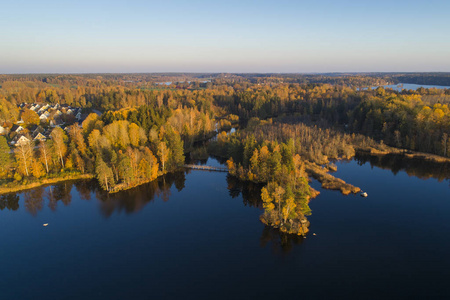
[{"x": 206, "y": 168}]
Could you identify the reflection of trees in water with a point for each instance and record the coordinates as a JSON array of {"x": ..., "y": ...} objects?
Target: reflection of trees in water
[
  {"x": 59, "y": 192},
  {"x": 85, "y": 188},
  {"x": 9, "y": 201},
  {"x": 129, "y": 201},
  {"x": 420, "y": 168},
  {"x": 197, "y": 161},
  {"x": 281, "y": 242},
  {"x": 133, "y": 200},
  {"x": 179, "y": 180},
  {"x": 251, "y": 192},
  {"x": 34, "y": 200}
]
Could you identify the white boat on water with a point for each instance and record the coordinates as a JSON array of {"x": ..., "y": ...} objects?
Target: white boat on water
[{"x": 364, "y": 194}]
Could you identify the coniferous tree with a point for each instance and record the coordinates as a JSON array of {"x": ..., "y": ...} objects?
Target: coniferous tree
[{"x": 5, "y": 156}]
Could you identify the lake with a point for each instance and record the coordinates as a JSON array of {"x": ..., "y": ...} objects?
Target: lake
[
  {"x": 197, "y": 234},
  {"x": 170, "y": 82},
  {"x": 410, "y": 86}
]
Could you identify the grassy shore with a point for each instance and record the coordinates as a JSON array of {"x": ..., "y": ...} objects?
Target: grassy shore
[
  {"x": 123, "y": 187},
  {"x": 406, "y": 153},
  {"x": 14, "y": 187},
  {"x": 329, "y": 181}
]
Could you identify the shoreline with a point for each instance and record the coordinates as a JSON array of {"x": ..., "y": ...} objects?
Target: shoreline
[
  {"x": 43, "y": 182},
  {"x": 330, "y": 182},
  {"x": 327, "y": 180},
  {"x": 125, "y": 188},
  {"x": 404, "y": 152},
  {"x": 48, "y": 181},
  {"x": 129, "y": 187}
]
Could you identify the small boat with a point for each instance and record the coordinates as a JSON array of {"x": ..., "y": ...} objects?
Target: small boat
[
  {"x": 364, "y": 194},
  {"x": 45, "y": 225}
]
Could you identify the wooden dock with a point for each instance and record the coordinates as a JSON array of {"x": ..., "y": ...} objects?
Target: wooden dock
[{"x": 206, "y": 168}]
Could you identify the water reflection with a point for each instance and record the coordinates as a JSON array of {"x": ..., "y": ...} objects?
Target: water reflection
[
  {"x": 280, "y": 242},
  {"x": 85, "y": 188},
  {"x": 420, "y": 168},
  {"x": 133, "y": 200},
  {"x": 251, "y": 192},
  {"x": 34, "y": 200},
  {"x": 196, "y": 160},
  {"x": 9, "y": 201},
  {"x": 129, "y": 201},
  {"x": 59, "y": 192}
]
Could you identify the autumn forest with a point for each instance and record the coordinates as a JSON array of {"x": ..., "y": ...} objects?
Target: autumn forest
[{"x": 128, "y": 129}]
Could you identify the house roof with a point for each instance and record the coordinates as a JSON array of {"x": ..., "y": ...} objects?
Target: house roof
[
  {"x": 39, "y": 136},
  {"x": 20, "y": 139},
  {"x": 16, "y": 128}
]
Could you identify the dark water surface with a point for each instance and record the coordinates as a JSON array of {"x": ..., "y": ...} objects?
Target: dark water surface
[{"x": 198, "y": 235}]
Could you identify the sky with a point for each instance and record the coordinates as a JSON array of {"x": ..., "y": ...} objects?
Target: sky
[{"x": 224, "y": 36}]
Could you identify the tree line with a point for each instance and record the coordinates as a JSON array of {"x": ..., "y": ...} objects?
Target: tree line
[
  {"x": 400, "y": 119},
  {"x": 120, "y": 154}
]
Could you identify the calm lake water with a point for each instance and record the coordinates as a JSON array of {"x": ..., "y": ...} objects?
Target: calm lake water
[
  {"x": 411, "y": 86},
  {"x": 197, "y": 235}
]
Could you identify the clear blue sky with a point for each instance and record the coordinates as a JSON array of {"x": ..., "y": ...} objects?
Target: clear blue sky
[{"x": 224, "y": 36}]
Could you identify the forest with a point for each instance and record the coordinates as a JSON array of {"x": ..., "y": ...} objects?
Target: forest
[{"x": 132, "y": 128}]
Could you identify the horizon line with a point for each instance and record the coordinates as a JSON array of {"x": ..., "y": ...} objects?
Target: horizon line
[{"x": 206, "y": 72}]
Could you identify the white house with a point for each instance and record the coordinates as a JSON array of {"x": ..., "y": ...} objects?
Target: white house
[
  {"x": 35, "y": 107},
  {"x": 19, "y": 141},
  {"x": 16, "y": 128},
  {"x": 2, "y": 130}
]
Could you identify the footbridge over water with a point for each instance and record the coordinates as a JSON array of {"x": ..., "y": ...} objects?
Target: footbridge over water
[{"x": 206, "y": 168}]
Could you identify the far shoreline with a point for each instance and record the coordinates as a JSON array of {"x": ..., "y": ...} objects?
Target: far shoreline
[{"x": 344, "y": 187}]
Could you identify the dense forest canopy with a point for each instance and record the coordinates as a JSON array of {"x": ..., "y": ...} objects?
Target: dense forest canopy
[{"x": 398, "y": 118}]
